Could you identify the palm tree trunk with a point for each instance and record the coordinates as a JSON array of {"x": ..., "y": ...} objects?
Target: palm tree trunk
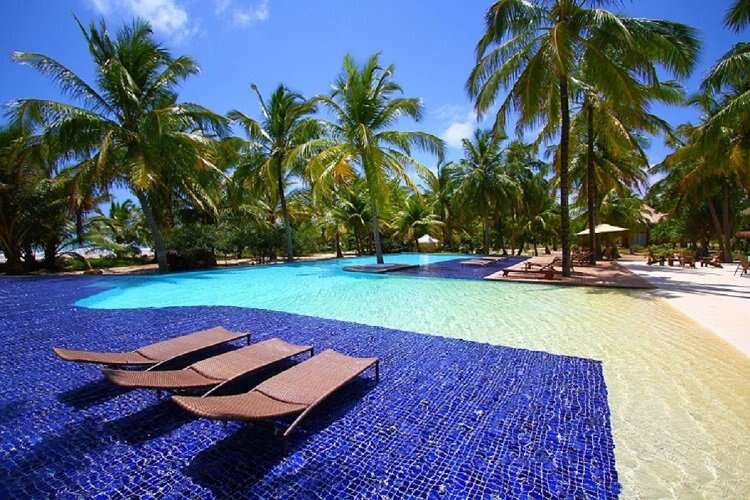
[
  {"x": 564, "y": 210},
  {"x": 717, "y": 228},
  {"x": 726, "y": 229},
  {"x": 337, "y": 240},
  {"x": 153, "y": 226},
  {"x": 13, "y": 264},
  {"x": 374, "y": 217},
  {"x": 590, "y": 181},
  {"x": 486, "y": 235},
  {"x": 287, "y": 225}
]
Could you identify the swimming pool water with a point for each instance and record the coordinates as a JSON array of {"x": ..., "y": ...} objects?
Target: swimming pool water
[{"x": 679, "y": 396}]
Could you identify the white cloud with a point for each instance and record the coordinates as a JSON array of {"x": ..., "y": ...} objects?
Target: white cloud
[
  {"x": 243, "y": 13},
  {"x": 461, "y": 126},
  {"x": 166, "y": 16}
]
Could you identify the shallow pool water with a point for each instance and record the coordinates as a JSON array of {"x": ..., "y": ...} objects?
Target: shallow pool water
[{"x": 679, "y": 396}]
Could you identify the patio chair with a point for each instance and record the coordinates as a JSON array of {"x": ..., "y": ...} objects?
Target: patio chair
[
  {"x": 215, "y": 371},
  {"x": 687, "y": 258},
  {"x": 743, "y": 266},
  {"x": 297, "y": 390},
  {"x": 158, "y": 353}
]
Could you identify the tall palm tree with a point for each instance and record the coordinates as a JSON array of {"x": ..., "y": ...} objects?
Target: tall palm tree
[
  {"x": 482, "y": 182},
  {"x": 610, "y": 133},
  {"x": 129, "y": 128},
  {"x": 365, "y": 104},
  {"x": 287, "y": 127},
  {"x": 440, "y": 191},
  {"x": 536, "y": 50}
]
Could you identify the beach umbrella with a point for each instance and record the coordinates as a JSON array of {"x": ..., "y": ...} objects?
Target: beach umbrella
[
  {"x": 428, "y": 240},
  {"x": 603, "y": 229}
]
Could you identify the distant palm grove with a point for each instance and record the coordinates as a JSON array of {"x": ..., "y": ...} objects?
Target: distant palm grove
[{"x": 284, "y": 175}]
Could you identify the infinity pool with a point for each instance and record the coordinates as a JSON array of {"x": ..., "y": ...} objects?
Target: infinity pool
[{"x": 679, "y": 396}]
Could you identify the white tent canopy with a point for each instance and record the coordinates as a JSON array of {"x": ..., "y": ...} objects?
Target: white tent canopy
[
  {"x": 602, "y": 229},
  {"x": 427, "y": 239}
]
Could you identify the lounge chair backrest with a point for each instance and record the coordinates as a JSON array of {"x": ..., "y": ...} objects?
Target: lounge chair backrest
[
  {"x": 187, "y": 343},
  {"x": 313, "y": 379},
  {"x": 262, "y": 353}
]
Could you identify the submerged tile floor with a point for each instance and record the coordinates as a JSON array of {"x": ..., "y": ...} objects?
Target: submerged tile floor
[
  {"x": 455, "y": 269},
  {"x": 449, "y": 417}
]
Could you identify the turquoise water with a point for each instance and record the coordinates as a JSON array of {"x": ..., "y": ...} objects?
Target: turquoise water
[{"x": 676, "y": 436}]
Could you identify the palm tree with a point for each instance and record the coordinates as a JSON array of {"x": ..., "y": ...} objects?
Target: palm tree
[
  {"x": 286, "y": 129},
  {"x": 129, "y": 128},
  {"x": 365, "y": 106},
  {"x": 440, "y": 191},
  {"x": 730, "y": 75},
  {"x": 482, "y": 182},
  {"x": 415, "y": 219},
  {"x": 537, "y": 49}
]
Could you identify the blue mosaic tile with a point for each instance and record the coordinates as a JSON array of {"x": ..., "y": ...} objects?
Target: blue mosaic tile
[
  {"x": 449, "y": 418},
  {"x": 455, "y": 269}
]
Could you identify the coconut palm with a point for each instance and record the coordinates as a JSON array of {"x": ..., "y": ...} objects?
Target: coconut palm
[
  {"x": 483, "y": 184},
  {"x": 415, "y": 219},
  {"x": 536, "y": 51},
  {"x": 730, "y": 73},
  {"x": 440, "y": 191},
  {"x": 129, "y": 128},
  {"x": 365, "y": 104},
  {"x": 286, "y": 128}
]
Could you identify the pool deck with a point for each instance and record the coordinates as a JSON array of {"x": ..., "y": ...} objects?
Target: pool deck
[
  {"x": 715, "y": 298},
  {"x": 604, "y": 274}
]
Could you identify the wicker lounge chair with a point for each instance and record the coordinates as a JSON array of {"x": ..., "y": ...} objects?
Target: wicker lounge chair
[
  {"x": 214, "y": 371},
  {"x": 295, "y": 391},
  {"x": 158, "y": 353},
  {"x": 547, "y": 271},
  {"x": 476, "y": 262}
]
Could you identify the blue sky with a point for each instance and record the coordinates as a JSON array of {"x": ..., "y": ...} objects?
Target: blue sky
[{"x": 302, "y": 43}]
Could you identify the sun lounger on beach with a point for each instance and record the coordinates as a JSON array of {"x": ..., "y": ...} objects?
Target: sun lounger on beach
[
  {"x": 214, "y": 371},
  {"x": 158, "y": 353},
  {"x": 295, "y": 391}
]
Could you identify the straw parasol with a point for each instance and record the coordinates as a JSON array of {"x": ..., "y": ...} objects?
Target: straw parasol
[
  {"x": 603, "y": 229},
  {"x": 426, "y": 239}
]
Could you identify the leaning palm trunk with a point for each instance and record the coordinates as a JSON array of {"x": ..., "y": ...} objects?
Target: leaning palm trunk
[
  {"x": 375, "y": 229},
  {"x": 486, "y": 235},
  {"x": 374, "y": 213},
  {"x": 153, "y": 226},
  {"x": 564, "y": 210},
  {"x": 726, "y": 228},
  {"x": 287, "y": 225},
  {"x": 590, "y": 184}
]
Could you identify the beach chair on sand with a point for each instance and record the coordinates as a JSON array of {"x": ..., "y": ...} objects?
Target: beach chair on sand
[
  {"x": 687, "y": 258},
  {"x": 295, "y": 391},
  {"x": 158, "y": 353},
  {"x": 743, "y": 266},
  {"x": 214, "y": 371}
]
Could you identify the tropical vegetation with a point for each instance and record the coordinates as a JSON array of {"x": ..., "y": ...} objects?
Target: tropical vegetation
[{"x": 125, "y": 169}]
